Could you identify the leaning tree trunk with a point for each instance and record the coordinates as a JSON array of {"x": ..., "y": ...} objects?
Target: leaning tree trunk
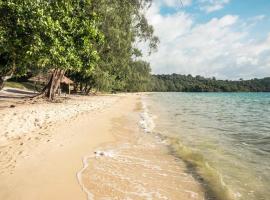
[{"x": 52, "y": 86}]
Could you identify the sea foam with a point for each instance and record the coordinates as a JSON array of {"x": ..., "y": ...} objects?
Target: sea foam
[
  {"x": 146, "y": 122},
  {"x": 97, "y": 154}
]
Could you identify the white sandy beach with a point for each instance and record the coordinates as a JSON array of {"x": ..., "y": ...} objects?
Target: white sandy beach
[{"x": 43, "y": 146}]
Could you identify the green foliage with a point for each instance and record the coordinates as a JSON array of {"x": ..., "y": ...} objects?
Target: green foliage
[
  {"x": 68, "y": 35},
  {"x": 182, "y": 83},
  {"x": 93, "y": 40},
  {"x": 122, "y": 23},
  {"x": 16, "y": 33},
  {"x": 49, "y": 34},
  {"x": 139, "y": 77}
]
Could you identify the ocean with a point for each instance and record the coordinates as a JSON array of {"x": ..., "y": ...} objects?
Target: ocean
[
  {"x": 184, "y": 146},
  {"x": 224, "y": 138}
]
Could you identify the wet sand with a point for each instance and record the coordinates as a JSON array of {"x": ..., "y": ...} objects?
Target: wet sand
[
  {"x": 138, "y": 166},
  {"x": 128, "y": 164}
]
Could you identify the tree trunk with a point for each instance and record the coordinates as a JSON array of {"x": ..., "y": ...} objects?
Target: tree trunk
[
  {"x": 52, "y": 86},
  {"x": 76, "y": 87},
  {"x": 85, "y": 88},
  {"x": 88, "y": 90},
  {"x": 1, "y": 82},
  {"x": 81, "y": 87}
]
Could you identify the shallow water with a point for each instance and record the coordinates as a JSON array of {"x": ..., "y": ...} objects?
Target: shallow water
[
  {"x": 138, "y": 166},
  {"x": 223, "y": 137}
]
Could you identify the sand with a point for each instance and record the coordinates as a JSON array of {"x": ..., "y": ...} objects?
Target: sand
[
  {"x": 44, "y": 145},
  {"x": 21, "y": 120},
  {"x": 42, "y": 164}
]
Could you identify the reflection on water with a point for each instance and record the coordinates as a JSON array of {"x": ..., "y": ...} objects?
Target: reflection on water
[{"x": 230, "y": 131}]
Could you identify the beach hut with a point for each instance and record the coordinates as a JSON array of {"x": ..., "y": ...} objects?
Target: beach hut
[
  {"x": 43, "y": 79},
  {"x": 68, "y": 82}
]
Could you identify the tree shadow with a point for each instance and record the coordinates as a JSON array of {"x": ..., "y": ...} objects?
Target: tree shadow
[{"x": 15, "y": 91}]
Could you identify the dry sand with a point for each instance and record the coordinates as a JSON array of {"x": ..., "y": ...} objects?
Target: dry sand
[
  {"x": 42, "y": 163},
  {"x": 43, "y": 145}
]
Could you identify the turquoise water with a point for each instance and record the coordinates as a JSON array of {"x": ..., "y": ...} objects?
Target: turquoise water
[{"x": 225, "y": 137}]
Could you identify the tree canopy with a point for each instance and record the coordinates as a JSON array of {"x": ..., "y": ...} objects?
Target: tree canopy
[{"x": 91, "y": 40}]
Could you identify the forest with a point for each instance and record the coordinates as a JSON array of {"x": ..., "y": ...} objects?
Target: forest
[
  {"x": 188, "y": 83},
  {"x": 93, "y": 42}
]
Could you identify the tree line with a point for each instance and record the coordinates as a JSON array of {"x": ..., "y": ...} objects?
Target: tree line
[
  {"x": 91, "y": 41},
  {"x": 188, "y": 83}
]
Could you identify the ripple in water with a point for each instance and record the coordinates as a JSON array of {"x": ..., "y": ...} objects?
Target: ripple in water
[{"x": 228, "y": 131}]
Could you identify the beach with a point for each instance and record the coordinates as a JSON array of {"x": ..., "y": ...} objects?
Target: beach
[
  {"x": 42, "y": 163},
  {"x": 89, "y": 148},
  {"x": 134, "y": 100}
]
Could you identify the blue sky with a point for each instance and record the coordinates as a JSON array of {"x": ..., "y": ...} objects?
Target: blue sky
[{"x": 228, "y": 39}]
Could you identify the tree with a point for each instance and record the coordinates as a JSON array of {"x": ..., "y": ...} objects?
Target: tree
[
  {"x": 52, "y": 35},
  {"x": 92, "y": 40},
  {"x": 17, "y": 19},
  {"x": 139, "y": 77},
  {"x": 68, "y": 39},
  {"x": 123, "y": 23},
  {"x": 183, "y": 83}
]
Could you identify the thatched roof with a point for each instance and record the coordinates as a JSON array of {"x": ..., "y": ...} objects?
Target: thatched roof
[
  {"x": 66, "y": 80},
  {"x": 42, "y": 78}
]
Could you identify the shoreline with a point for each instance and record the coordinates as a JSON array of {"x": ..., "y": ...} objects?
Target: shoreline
[
  {"x": 137, "y": 165},
  {"x": 117, "y": 134}
]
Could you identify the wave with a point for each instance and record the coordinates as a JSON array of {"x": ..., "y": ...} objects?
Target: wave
[
  {"x": 90, "y": 196},
  {"x": 146, "y": 122},
  {"x": 85, "y": 160}
]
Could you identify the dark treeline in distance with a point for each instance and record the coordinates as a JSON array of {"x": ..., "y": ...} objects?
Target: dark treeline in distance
[{"x": 188, "y": 83}]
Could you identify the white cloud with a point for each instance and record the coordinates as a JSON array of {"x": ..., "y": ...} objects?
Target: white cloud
[
  {"x": 169, "y": 27},
  {"x": 253, "y": 21},
  {"x": 212, "y": 5},
  {"x": 213, "y": 48}
]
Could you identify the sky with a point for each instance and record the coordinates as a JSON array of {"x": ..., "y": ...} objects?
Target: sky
[{"x": 226, "y": 39}]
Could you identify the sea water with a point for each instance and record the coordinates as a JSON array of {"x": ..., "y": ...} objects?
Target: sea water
[
  {"x": 185, "y": 146},
  {"x": 224, "y": 139}
]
